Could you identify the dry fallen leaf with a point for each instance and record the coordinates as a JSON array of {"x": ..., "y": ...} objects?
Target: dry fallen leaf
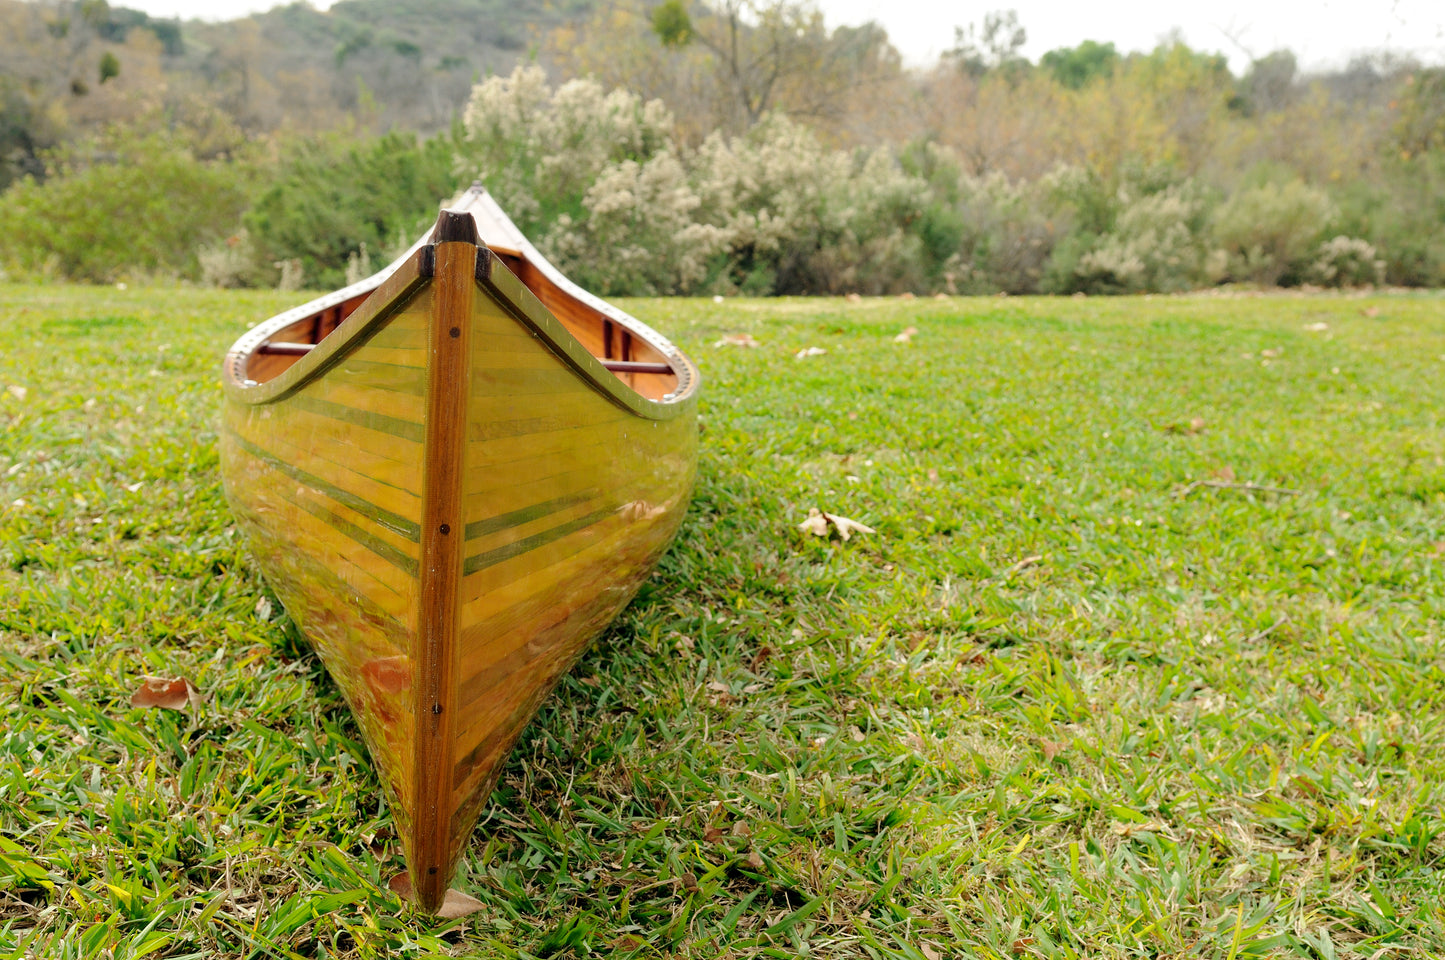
[
  {"x": 17, "y": 392},
  {"x": 713, "y": 834},
  {"x": 906, "y": 336},
  {"x": 1371, "y": 312},
  {"x": 176, "y": 694},
  {"x": 717, "y": 686},
  {"x": 818, "y": 520},
  {"x": 1317, "y": 327},
  {"x": 1051, "y": 749},
  {"x": 1224, "y": 473},
  {"x": 755, "y": 860},
  {"x": 809, "y": 352},
  {"x": 455, "y": 904},
  {"x": 929, "y": 953},
  {"x": 736, "y": 340},
  {"x": 816, "y": 524},
  {"x": 853, "y": 298},
  {"x": 906, "y": 296},
  {"x": 1271, "y": 352}
]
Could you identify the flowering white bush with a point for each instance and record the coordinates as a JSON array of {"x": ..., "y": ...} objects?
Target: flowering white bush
[
  {"x": 597, "y": 179},
  {"x": 1155, "y": 245},
  {"x": 1346, "y": 262},
  {"x": 539, "y": 150}
]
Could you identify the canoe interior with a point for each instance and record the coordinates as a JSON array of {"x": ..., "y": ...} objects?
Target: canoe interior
[
  {"x": 452, "y": 495},
  {"x": 604, "y": 337}
]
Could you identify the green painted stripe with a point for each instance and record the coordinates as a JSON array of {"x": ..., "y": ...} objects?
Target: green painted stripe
[
  {"x": 379, "y": 547},
  {"x": 380, "y": 422},
  {"x": 383, "y": 518},
  {"x": 489, "y": 558},
  {"x": 480, "y": 528}
]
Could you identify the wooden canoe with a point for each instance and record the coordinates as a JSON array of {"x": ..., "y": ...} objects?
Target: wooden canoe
[{"x": 454, "y": 474}]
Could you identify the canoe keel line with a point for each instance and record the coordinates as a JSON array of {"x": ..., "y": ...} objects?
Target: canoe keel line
[{"x": 454, "y": 475}]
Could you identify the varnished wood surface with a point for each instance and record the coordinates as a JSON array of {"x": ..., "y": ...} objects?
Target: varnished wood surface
[
  {"x": 450, "y": 518},
  {"x": 448, "y": 380}
]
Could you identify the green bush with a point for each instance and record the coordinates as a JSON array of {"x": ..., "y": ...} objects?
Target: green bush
[
  {"x": 120, "y": 206},
  {"x": 331, "y": 195},
  {"x": 1269, "y": 232}
]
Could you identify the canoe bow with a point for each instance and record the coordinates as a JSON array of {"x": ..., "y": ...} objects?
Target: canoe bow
[{"x": 454, "y": 474}]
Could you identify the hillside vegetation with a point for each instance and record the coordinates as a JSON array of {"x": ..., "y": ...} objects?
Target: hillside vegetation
[{"x": 741, "y": 147}]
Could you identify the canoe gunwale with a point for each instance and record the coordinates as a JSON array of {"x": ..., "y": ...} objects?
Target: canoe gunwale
[
  {"x": 498, "y": 280},
  {"x": 389, "y": 290},
  {"x": 387, "y": 297}
]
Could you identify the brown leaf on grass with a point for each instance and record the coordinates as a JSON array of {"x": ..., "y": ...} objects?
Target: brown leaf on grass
[
  {"x": 755, "y": 860},
  {"x": 736, "y": 340},
  {"x": 456, "y": 904},
  {"x": 1051, "y": 749},
  {"x": 764, "y": 653},
  {"x": 1439, "y": 550},
  {"x": 906, "y": 296},
  {"x": 818, "y": 521},
  {"x": 166, "y": 693},
  {"x": 928, "y": 952},
  {"x": 906, "y": 336},
  {"x": 932, "y": 475},
  {"x": 1371, "y": 312},
  {"x": 713, "y": 834},
  {"x": 1194, "y": 426},
  {"x": 1021, "y": 944},
  {"x": 1224, "y": 473},
  {"x": 853, "y": 298},
  {"x": 689, "y": 882},
  {"x": 17, "y": 392}
]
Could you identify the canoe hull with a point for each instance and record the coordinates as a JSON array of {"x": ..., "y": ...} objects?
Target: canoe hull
[{"x": 451, "y": 509}]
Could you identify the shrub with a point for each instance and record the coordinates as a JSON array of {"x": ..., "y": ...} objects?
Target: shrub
[
  {"x": 120, "y": 206},
  {"x": 637, "y": 235},
  {"x": 1156, "y": 245},
  {"x": 1268, "y": 231},
  {"x": 1346, "y": 262},
  {"x": 540, "y": 150},
  {"x": 330, "y": 196}
]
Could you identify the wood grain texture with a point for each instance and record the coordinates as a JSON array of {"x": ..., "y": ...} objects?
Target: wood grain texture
[
  {"x": 448, "y": 378},
  {"x": 452, "y": 496}
]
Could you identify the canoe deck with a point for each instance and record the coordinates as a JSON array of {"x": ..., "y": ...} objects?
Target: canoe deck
[{"x": 452, "y": 494}]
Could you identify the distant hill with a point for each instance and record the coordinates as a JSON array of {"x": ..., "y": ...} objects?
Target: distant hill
[
  {"x": 71, "y": 66},
  {"x": 407, "y": 63}
]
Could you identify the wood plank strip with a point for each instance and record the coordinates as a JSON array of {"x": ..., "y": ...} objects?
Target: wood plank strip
[
  {"x": 370, "y": 419},
  {"x": 399, "y": 523},
  {"x": 431, "y": 858}
]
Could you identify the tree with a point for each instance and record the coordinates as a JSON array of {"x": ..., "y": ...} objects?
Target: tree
[
  {"x": 1075, "y": 67},
  {"x": 994, "y": 46}
]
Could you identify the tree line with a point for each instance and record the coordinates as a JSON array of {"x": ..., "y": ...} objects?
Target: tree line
[{"x": 742, "y": 146}]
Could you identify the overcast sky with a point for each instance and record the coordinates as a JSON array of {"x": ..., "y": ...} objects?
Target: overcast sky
[{"x": 1324, "y": 33}]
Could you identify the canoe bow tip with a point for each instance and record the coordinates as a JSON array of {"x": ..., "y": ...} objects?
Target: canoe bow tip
[{"x": 456, "y": 226}]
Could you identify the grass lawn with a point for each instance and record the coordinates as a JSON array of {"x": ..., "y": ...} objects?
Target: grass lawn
[{"x": 1086, "y": 692}]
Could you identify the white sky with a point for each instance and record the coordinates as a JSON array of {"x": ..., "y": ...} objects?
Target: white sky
[{"x": 1324, "y": 33}]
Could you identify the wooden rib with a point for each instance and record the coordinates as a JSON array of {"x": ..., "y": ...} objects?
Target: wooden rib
[{"x": 449, "y": 342}]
